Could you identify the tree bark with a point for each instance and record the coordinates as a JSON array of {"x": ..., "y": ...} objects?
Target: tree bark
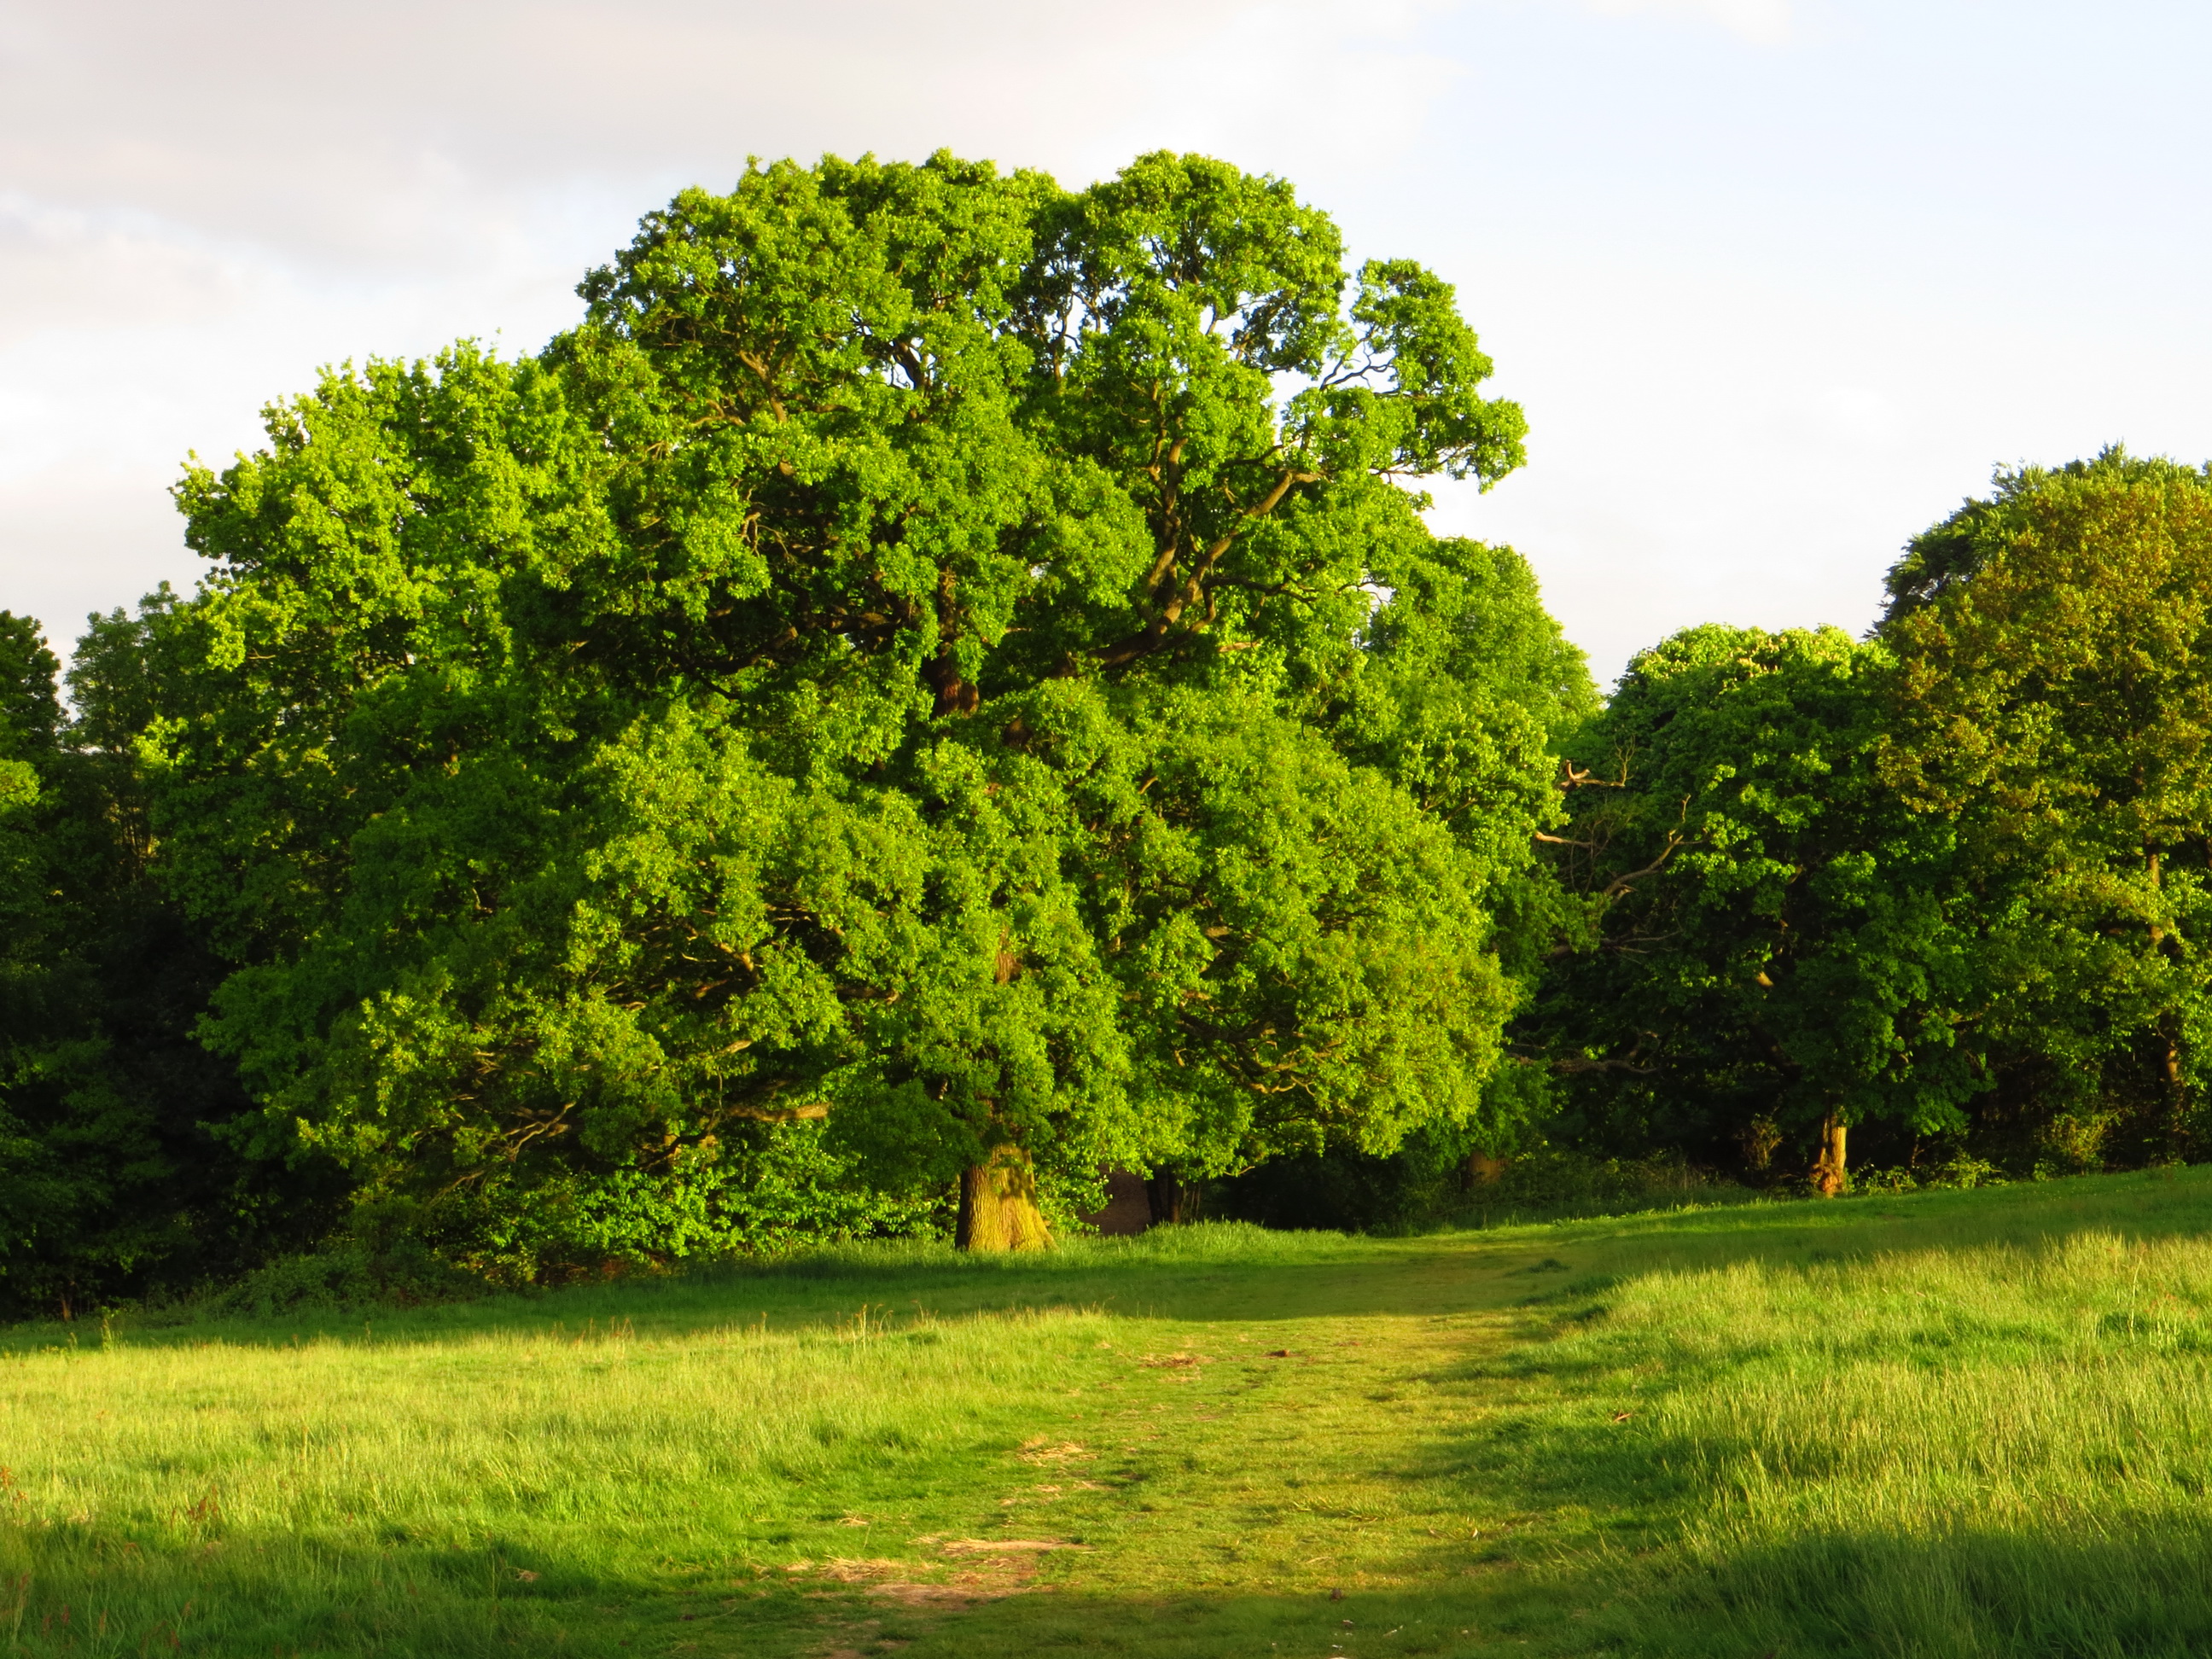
[
  {"x": 998, "y": 1205},
  {"x": 1172, "y": 1198},
  {"x": 1828, "y": 1170},
  {"x": 955, "y": 696},
  {"x": 1481, "y": 1169},
  {"x": 2177, "y": 1096}
]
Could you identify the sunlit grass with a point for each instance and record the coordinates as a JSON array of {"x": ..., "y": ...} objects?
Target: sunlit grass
[
  {"x": 1998, "y": 1449},
  {"x": 1971, "y": 1424},
  {"x": 349, "y": 1491}
]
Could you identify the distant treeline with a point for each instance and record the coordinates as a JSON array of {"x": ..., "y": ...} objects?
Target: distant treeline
[{"x": 939, "y": 686}]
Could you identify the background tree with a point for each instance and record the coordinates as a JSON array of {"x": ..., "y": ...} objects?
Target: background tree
[
  {"x": 1772, "y": 953},
  {"x": 1462, "y": 692},
  {"x": 2055, "y": 696},
  {"x": 114, "y": 1175}
]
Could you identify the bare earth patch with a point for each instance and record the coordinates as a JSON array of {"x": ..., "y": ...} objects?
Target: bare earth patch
[
  {"x": 980, "y": 1570},
  {"x": 1045, "y": 1455}
]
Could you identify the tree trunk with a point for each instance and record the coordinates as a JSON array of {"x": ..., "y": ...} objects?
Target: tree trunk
[
  {"x": 1828, "y": 1170},
  {"x": 2176, "y": 1099},
  {"x": 1172, "y": 1198},
  {"x": 998, "y": 1205},
  {"x": 1481, "y": 1169}
]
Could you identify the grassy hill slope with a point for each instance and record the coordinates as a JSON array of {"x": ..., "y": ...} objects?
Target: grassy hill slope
[{"x": 1972, "y": 1423}]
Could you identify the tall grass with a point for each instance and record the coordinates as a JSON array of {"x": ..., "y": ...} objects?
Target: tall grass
[
  {"x": 2003, "y": 1450},
  {"x": 399, "y": 1493}
]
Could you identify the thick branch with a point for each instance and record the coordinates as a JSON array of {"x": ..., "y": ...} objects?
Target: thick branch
[
  {"x": 1576, "y": 1063},
  {"x": 1624, "y": 883}
]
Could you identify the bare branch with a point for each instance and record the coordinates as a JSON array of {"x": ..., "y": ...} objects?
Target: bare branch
[
  {"x": 1626, "y": 884},
  {"x": 1574, "y": 777}
]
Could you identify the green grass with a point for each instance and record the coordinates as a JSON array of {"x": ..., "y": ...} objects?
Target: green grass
[{"x": 1943, "y": 1424}]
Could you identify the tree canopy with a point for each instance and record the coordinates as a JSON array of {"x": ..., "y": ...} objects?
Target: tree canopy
[
  {"x": 2055, "y": 700},
  {"x": 1950, "y": 878},
  {"x": 114, "y": 1157},
  {"x": 1773, "y": 942},
  {"x": 936, "y": 670}
]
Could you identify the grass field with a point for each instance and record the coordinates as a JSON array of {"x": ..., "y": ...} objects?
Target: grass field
[{"x": 1945, "y": 1423}]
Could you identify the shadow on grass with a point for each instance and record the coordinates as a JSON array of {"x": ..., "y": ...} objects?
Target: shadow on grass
[
  {"x": 1974, "y": 1593},
  {"x": 1219, "y": 1271},
  {"x": 1964, "y": 1594},
  {"x": 80, "y": 1591},
  {"x": 299, "y": 1601}
]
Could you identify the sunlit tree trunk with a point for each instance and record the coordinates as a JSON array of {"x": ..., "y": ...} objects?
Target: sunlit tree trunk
[{"x": 998, "y": 1205}]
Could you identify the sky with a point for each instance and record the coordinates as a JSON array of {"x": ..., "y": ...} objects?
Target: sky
[{"x": 1778, "y": 282}]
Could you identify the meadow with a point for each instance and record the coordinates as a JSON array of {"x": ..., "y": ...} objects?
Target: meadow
[{"x": 1937, "y": 1424}]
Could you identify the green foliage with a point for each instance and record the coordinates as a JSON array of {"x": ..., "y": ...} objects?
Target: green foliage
[
  {"x": 2054, "y": 700},
  {"x": 53, "y": 1104},
  {"x": 1950, "y": 881},
  {"x": 933, "y": 663},
  {"x": 1771, "y": 938},
  {"x": 112, "y": 1178},
  {"x": 937, "y": 672}
]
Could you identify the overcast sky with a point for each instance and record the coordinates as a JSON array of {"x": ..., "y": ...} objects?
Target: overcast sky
[{"x": 1777, "y": 280}]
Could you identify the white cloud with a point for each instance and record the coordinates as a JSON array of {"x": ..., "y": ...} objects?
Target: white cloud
[
  {"x": 63, "y": 267},
  {"x": 1320, "y": 91},
  {"x": 388, "y": 135},
  {"x": 1767, "y": 22}
]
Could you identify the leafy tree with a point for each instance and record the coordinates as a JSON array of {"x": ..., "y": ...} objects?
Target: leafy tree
[
  {"x": 1772, "y": 948},
  {"x": 112, "y": 1177},
  {"x": 44, "y": 1193},
  {"x": 2054, "y": 697},
  {"x": 904, "y": 679},
  {"x": 1467, "y": 688}
]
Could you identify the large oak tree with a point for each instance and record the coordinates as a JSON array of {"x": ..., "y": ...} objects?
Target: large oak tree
[{"x": 935, "y": 670}]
